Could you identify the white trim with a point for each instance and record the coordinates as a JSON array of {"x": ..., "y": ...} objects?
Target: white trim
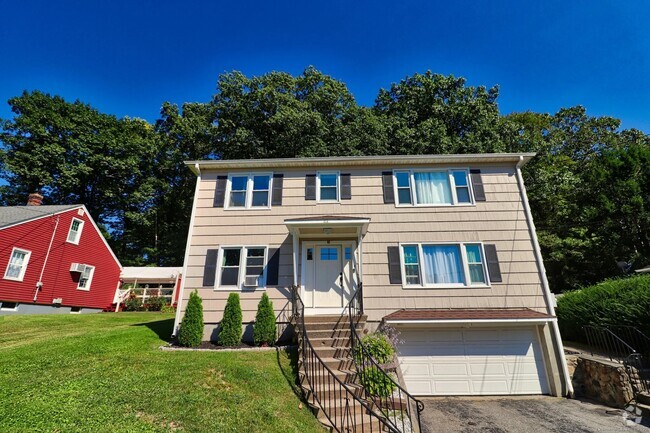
[
  {"x": 338, "y": 186},
  {"x": 41, "y": 216},
  {"x": 464, "y": 264},
  {"x": 78, "y": 231},
  {"x": 465, "y": 321},
  {"x": 23, "y": 268},
  {"x": 359, "y": 161},
  {"x": 90, "y": 279},
  {"x": 248, "y": 195},
  {"x": 242, "y": 267},
  {"x": 101, "y": 236},
  {"x": 3, "y": 308},
  {"x": 450, "y": 179},
  {"x": 542, "y": 271},
  {"x": 188, "y": 244}
]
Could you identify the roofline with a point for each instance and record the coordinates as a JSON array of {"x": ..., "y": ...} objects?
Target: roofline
[
  {"x": 99, "y": 232},
  {"x": 45, "y": 215},
  {"x": 461, "y": 321},
  {"x": 359, "y": 161}
]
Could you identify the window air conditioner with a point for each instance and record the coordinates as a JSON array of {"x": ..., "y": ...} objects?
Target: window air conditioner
[
  {"x": 77, "y": 267},
  {"x": 250, "y": 281}
]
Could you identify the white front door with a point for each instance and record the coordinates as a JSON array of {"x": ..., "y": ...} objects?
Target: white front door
[{"x": 327, "y": 277}]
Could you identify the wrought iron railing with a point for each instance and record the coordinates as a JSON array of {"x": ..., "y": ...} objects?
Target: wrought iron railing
[
  {"x": 397, "y": 405},
  {"x": 602, "y": 341},
  {"x": 345, "y": 411},
  {"x": 634, "y": 337}
]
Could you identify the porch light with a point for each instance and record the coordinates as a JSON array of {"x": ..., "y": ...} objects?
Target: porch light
[{"x": 327, "y": 230}]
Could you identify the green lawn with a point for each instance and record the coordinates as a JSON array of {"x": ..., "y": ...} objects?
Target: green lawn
[{"x": 105, "y": 373}]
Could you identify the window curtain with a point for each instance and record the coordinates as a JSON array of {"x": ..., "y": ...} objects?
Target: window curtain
[
  {"x": 442, "y": 264},
  {"x": 432, "y": 188}
]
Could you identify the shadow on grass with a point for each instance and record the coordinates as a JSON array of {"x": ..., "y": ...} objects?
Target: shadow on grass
[
  {"x": 162, "y": 328},
  {"x": 291, "y": 377}
]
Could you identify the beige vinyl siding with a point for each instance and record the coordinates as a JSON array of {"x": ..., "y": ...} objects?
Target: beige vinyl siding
[{"x": 499, "y": 220}]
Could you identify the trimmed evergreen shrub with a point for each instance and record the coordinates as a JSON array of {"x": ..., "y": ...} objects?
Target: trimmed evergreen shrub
[
  {"x": 613, "y": 302},
  {"x": 230, "y": 332},
  {"x": 264, "y": 328},
  {"x": 191, "y": 332}
]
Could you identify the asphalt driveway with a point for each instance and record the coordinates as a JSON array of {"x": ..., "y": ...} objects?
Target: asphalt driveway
[{"x": 523, "y": 415}]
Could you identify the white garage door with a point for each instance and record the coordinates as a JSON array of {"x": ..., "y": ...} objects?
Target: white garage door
[{"x": 477, "y": 361}]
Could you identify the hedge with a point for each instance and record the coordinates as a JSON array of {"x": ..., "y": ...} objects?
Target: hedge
[{"x": 615, "y": 302}]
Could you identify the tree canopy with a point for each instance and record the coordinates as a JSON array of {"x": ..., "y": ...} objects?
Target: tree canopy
[{"x": 589, "y": 185}]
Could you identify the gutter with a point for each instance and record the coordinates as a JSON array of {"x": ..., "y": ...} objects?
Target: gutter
[
  {"x": 542, "y": 271},
  {"x": 177, "y": 320},
  {"x": 466, "y": 321},
  {"x": 39, "y": 284}
]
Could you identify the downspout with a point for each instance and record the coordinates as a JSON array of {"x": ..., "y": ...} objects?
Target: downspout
[
  {"x": 39, "y": 284},
  {"x": 177, "y": 320},
  {"x": 542, "y": 270}
]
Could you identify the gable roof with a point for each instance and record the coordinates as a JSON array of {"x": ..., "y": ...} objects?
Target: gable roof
[
  {"x": 361, "y": 161},
  {"x": 12, "y": 215}
]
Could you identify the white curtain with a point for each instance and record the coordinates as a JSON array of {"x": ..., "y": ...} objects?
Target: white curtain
[
  {"x": 442, "y": 264},
  {"x": 432, "y": 188}
]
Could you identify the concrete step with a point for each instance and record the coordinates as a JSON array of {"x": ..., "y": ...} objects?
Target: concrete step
[
  {"x": 332, "y": 352},
  {"x": 315, "y": 334},
  {"x": 345, "y": 376},
  {"x": 334, "y": 363},
  {"x": 332, "y": 390},
  {"x": 330, "y": 326},
  {"x": 643, "y": 398},
  {"x": 329, "y": 341},
  {"x": 353, "y": 422}
]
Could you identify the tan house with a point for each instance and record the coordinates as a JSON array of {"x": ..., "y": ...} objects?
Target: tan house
[{"x": 443, "y": 248}]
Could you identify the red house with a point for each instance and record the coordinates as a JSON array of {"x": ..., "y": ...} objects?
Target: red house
[{"x": 53, "y": 259}]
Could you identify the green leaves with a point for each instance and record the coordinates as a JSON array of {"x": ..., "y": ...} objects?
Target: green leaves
[
  {"x": 230, "y": 328},
  {"x": 264, "y": 328},
  {"x": 191, "y": 332}
]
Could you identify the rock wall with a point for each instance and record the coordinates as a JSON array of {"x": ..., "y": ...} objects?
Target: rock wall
[{"x": 601, "y": 380}]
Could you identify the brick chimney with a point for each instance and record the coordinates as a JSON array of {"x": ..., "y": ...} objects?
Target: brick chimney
[{"x": 35, "y": 199}]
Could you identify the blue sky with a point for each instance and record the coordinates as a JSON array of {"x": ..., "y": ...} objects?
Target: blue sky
[{"x": 127, "y": 57}]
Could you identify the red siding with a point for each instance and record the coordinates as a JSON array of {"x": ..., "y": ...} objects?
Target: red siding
[{"x": 58, "y": 281}]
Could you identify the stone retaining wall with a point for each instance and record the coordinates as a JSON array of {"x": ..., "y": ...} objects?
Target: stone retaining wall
[{"x": 601, "y": 380}]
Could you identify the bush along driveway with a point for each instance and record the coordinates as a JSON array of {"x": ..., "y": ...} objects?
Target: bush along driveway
[{"x": 105, "y": 373}]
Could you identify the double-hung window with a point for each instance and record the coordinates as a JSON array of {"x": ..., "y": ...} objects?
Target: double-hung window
[
  {"x": 17, "y": 264},
  {"x": 242, "y": 267},
  {"x": 327, "y": 188},
  {"x": 432, "y": 187},
  {"x": 74, "y": 234},
  {"x": 248, "y": 191},
  {"x": 448, "y": 265},
  {"x": 86, "y": 278}
]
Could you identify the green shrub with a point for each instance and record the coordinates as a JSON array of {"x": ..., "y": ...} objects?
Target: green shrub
[
  {"x": 133, "y": 303},
  {"x": 378, "y": 347},
  {"x": 191, "y": 332},
  {"x": 610, "y": 303},
  {"x": 168, "y": 309},
  {"x": 230, "y": 332},
  {"x": 264, "y": 328},
  {"x": 375, "y": 382},
  {"x": 156, "y": 303}
]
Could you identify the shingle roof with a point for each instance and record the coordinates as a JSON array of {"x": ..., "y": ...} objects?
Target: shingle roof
[
  {"x": 10, "y": 215},
  {"x": 467, "y": 314}
]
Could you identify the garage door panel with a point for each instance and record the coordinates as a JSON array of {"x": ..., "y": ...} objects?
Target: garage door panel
[{"x": 472, "y": 362}]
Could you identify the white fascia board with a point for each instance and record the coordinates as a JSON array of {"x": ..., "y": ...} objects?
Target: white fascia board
[{"x": 464, "y": 321}]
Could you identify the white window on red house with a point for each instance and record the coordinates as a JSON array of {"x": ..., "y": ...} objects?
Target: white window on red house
[
  {"x": 17, "y": 264},
  {"x": 75, "y": 231},
  {"x": 86, "y": 278}
]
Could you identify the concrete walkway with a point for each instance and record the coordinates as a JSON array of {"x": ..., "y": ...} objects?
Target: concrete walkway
[{"x": 538, "y": 414}]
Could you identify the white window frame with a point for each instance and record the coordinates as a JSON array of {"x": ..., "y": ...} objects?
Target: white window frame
[
  {"x": 81, "y": 228},
  {"x": 338, "y": 186},
  {"x": 3, "y": 308},
  {"x": 242, "y": 268},
  {"x": 23, "y": 269},
  {"x": 452, "y": 185},
  {"x": 90, "y": 279},
  {"x": 249, "y": 191},
  {"x": 464, "y": 264}
]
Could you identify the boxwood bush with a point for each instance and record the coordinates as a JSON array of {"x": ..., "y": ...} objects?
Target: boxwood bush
[
  {"x": 230, "y": 329},
  {"x": 615, "y": 302},
  {"x": 191, "y": 332},
  {"x": 264, "y": 328}
]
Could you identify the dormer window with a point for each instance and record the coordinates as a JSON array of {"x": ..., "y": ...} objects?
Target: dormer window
[
  {"x": 75, "y": 231},
  {"x": 248, "y": 191}
]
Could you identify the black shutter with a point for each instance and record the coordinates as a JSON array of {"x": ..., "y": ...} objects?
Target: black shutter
[
  {"x": 346, "y": 188},
  {"x": 477, "y": 184},
  {"x": 210, "y": 268},
  {"x": 276, "y": 197},
  {"x": 394, "y": 266},
  {"x": 492, "y": 261},
  {"x": 273, "y": 267},
  {"x": 310, "y": 187},
  {"x": 220, "y": 191},
  {"x": 387, "y": 185}
]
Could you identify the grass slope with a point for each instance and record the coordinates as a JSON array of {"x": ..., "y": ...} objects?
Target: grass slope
[{"x": 105, "y": 373}]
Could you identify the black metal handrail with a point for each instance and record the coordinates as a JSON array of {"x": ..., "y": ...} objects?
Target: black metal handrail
[
  {"x": 634, "y": 337},
  {"x": 607, "y": 343},
  {"x": 396, "y": 404},
  {"x": 346, "y": 412}
]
